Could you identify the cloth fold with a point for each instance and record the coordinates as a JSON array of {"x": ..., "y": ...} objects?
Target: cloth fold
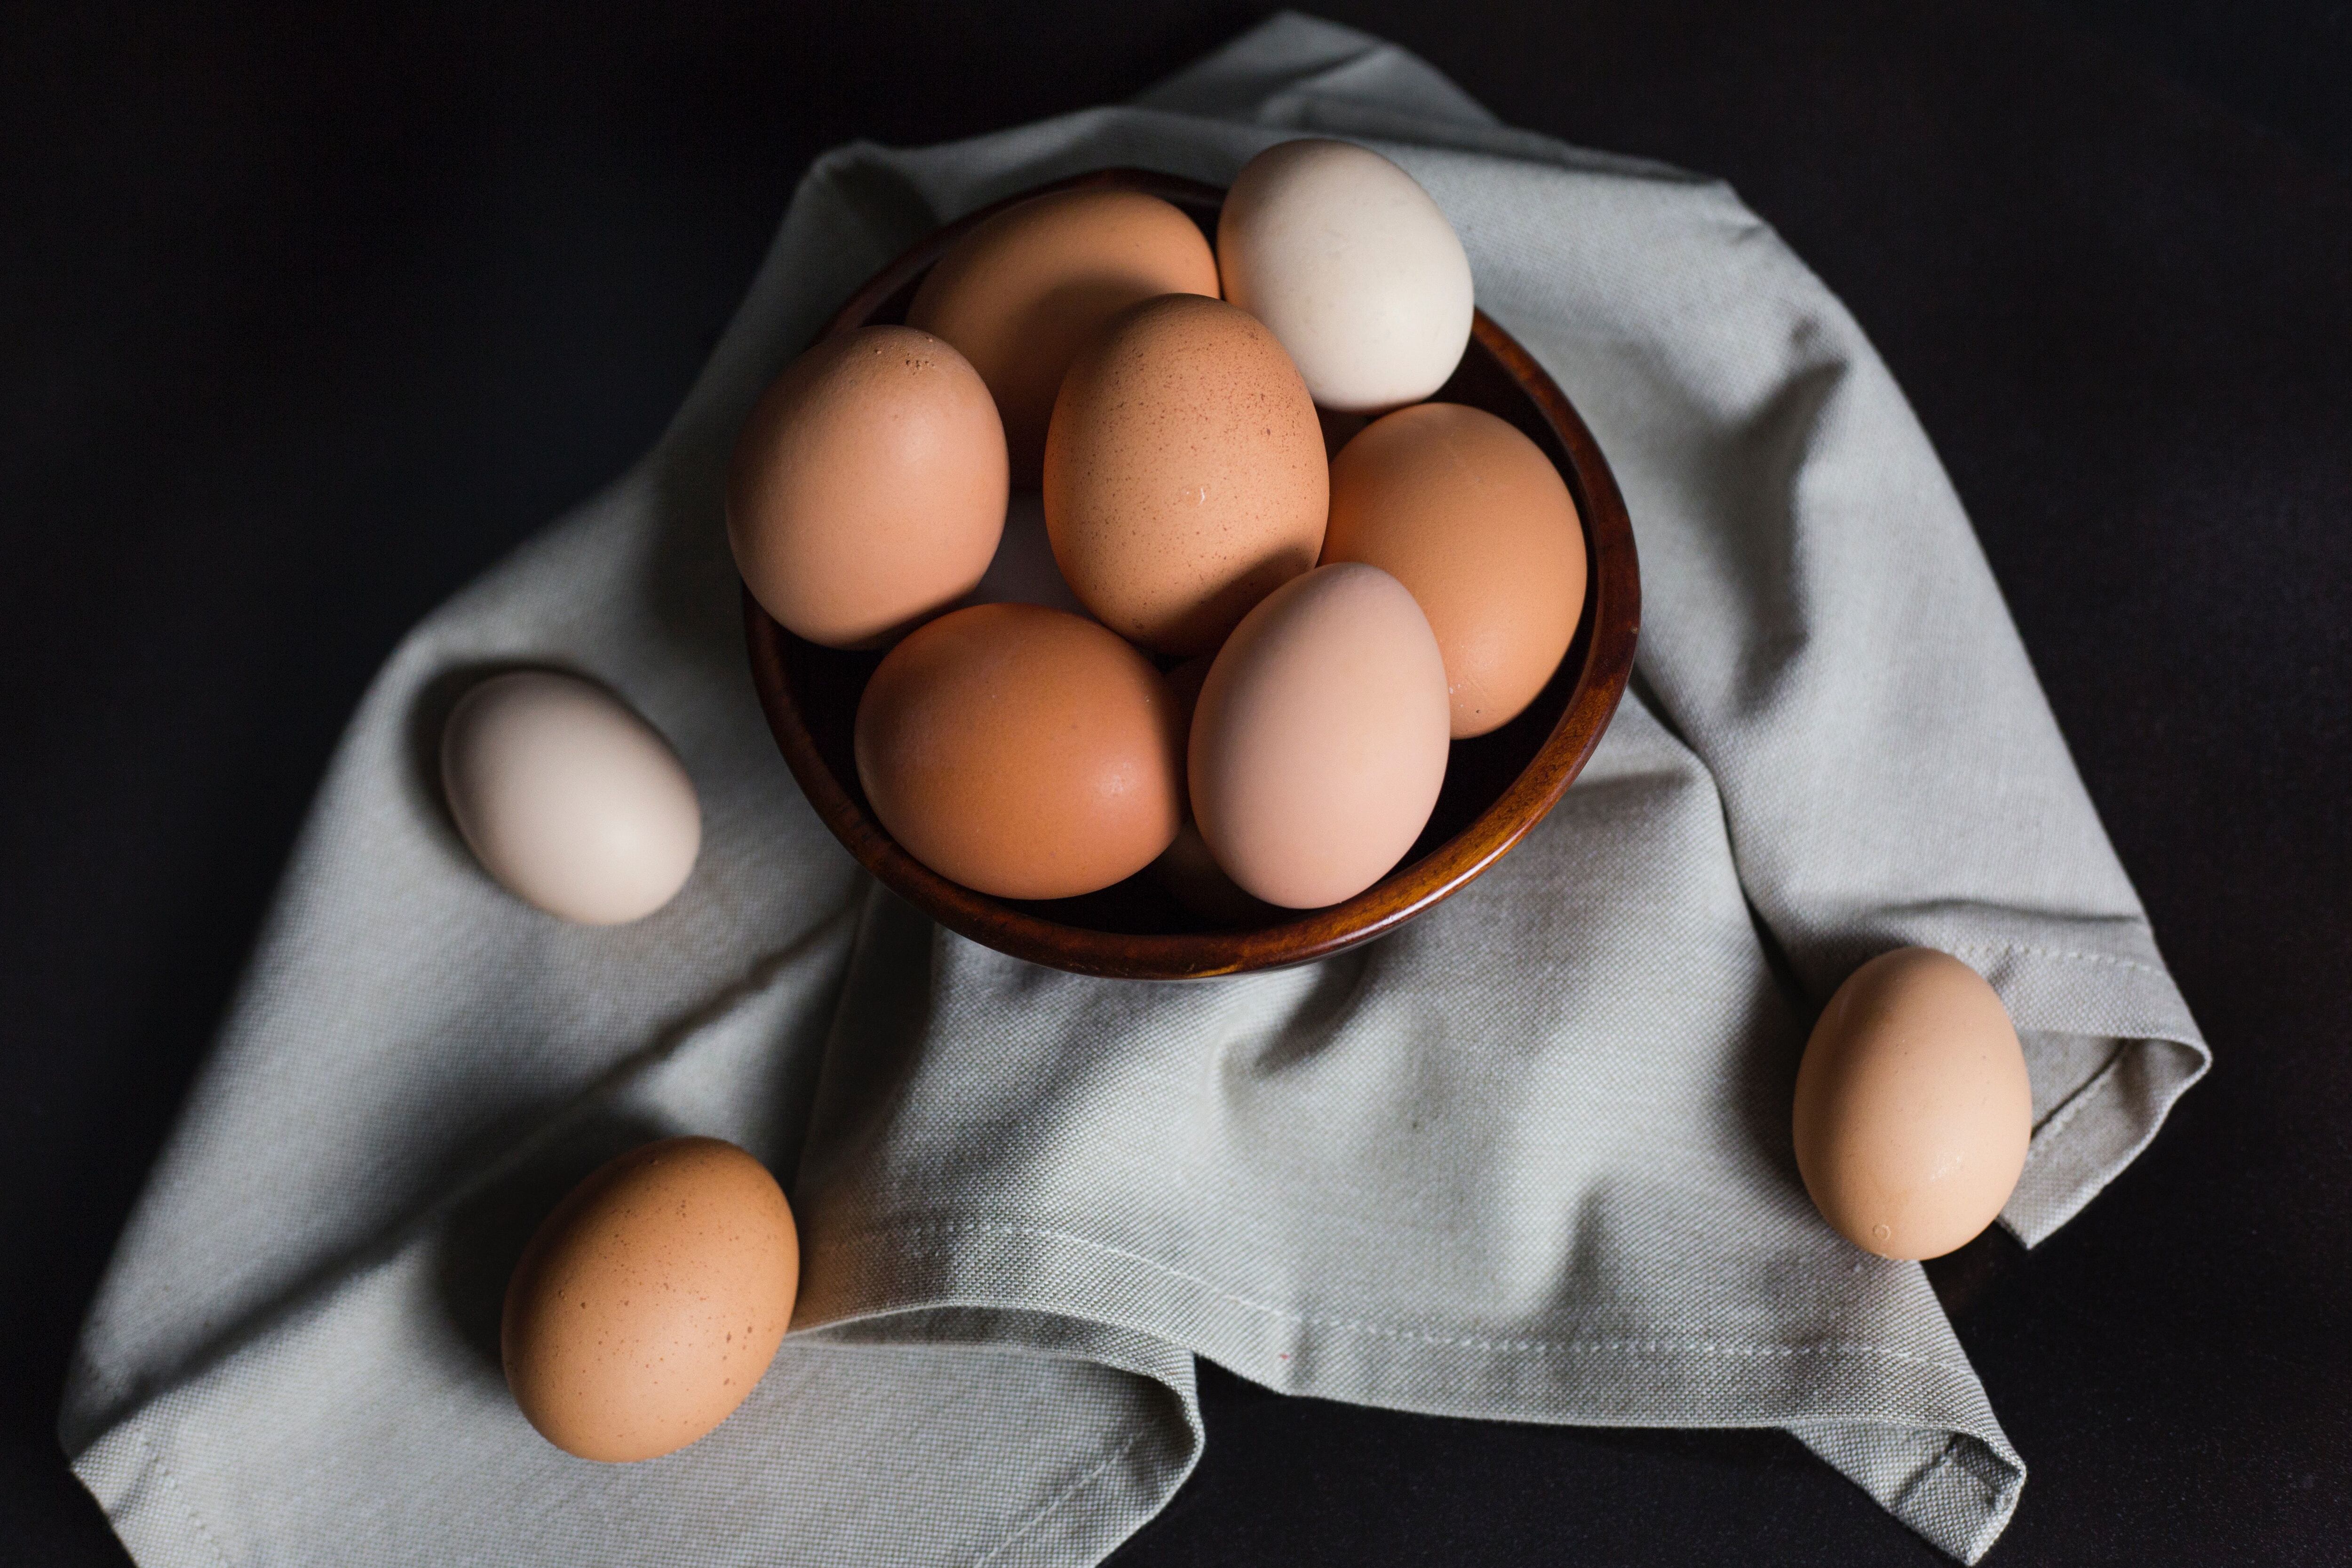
[{"x": 1527, "y": 1159}]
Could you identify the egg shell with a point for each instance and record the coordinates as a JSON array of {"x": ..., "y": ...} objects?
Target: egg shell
[
  {"x": 568, "y": 799},
  {"x": 868, "y": 486},
  {"x": 651, "y": 1300},
  {"x": 1355, "y": 269},
  {"x": 1185, "y": 478},
  {"x": 1471, "y": 516},
  {"x": 1319, "y": 744},
  {"x": 1913, "y": 1107},
  {"x": 1020, "y": 294},
  {"x": 1022, "y": 752}
]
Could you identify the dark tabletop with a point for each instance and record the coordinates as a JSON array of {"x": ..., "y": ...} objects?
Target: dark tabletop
[{"x": 308, "y": 317}]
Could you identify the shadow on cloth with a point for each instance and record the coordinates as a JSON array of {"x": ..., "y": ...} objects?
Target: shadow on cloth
[{"x": 487, "y": 1232}]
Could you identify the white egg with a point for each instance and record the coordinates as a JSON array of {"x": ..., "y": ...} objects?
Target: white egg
[
  {"x": 573, "y": 802},
  {"x": 1354, "y": 268}
]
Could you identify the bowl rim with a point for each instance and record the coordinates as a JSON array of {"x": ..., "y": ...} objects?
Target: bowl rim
[{"x": 1613, "y": 575}]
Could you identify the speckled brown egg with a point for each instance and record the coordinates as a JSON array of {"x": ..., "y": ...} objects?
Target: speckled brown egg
[
  {"x": 868, "y": 486},
  {"x": 1185, "y": 477},
  {"x": 1021, "y": 293},
  {"x": 1023, "y": 752},
  {"x": 651, "y": 1300},
  {"x": 1913, "y": 1106},
  {"x": 1471, "y": 517}
]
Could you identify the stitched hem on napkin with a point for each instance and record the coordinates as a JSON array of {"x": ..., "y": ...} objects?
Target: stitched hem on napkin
[{"x": 1948, "y": 1472}]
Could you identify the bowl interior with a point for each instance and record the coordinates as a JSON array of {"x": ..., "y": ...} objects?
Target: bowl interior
[{"x": 1496, "y": 785}]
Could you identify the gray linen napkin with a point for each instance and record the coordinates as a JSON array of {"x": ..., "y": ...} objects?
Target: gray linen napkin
[{"x": 1528, "y": 1159}]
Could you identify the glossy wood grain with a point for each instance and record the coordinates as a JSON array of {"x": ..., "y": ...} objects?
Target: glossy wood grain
[{"x": 1497, "y": 786}]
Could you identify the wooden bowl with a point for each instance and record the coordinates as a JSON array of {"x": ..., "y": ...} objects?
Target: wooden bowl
[{"x": 1498, "y": 785}]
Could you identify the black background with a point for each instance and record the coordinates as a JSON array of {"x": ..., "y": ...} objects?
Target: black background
[{"x": 309, "y": 314}]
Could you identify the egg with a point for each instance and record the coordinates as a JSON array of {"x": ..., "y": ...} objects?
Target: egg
[
  {"x": 1355, "y": 269},
  {"x": 568, "y": 799},
  {"x": 1022, "y": 752},
  {"x": 1473, "y": 518},
  {"x": 650, "y": 1303},
  {"x": 1185, "y": 477},
  {"x": 868, "y": 486},
  {"x": 1913, "y": 1107},
  {"x": 1021, "y": 293},
  {"x": 1319, "y": 744}
]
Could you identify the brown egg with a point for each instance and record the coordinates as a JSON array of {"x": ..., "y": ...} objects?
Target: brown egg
[
  {"x": 1184, "y": 472},
  {"x": 1319, "y": 744},
  {"x": 1023, "y": 291},
  {"x": 651, "y": 1300},
  {"x": 1913, "y": 1107},
  {"x": 868, "y": 486},
  {"x": 1470, "y": 515},
  {"x": 1022, "y": 751}
]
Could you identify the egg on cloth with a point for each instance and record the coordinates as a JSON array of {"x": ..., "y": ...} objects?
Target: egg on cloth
[
  {"x": 1319, "y": 744},
  {"x": 1913, "y": 1106},
  {"x": 867, "y": 489},
  {"x": 1022, "y": 751},
  {"x": 570, "y": 800},
  {"x": 1354, "y": 267},
  {"x": 1185, "y": 477},
  {"x": 1023, "y": 291},
  {"x": 1471, "y": 516},
  {"x": 651, "y": 1300}
]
